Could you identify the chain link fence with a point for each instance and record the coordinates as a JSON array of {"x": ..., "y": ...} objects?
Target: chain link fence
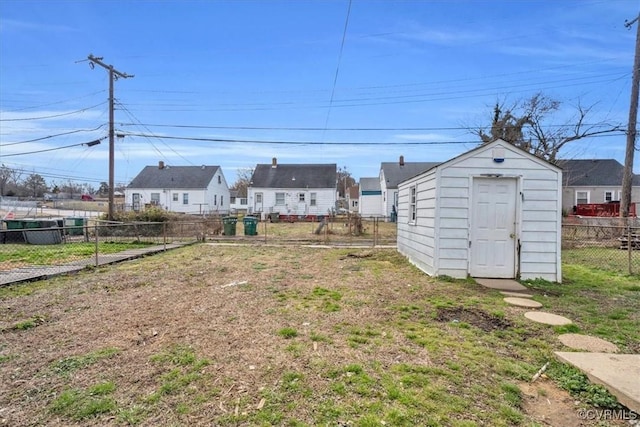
[
  {"x": 37, "y": 247},
  {"x": 32, "y": 248},
  {"x": 608, "y": 243}
]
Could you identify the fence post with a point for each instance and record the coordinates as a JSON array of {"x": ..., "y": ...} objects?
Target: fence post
[
  {"x": 164, "y": 235},
  {"x": 630, "y": 244},
  {"x": 96, "y": 234}
]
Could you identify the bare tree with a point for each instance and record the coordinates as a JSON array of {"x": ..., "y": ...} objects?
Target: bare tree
[
  {"x": 9, "y": 179},
  {"x": 243, "y": 181},
  {"x": 524, "y": 124},
  {"x": 35, "y": 185}
]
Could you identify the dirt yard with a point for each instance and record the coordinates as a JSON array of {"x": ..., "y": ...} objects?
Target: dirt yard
[{"x": 241, "y": 336}]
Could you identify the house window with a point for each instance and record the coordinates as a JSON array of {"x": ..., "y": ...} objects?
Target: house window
[
  {"x": 185, "y": 198},
  {"x": 301, "y": 197},
  {"x": 221, "y": 200},
  {"x": 155, "y": 199},
  {"x": 233, "y": 199},
  {"x": 412, "y": 205},
  {"x": 279, "y": 198},
  {"x": 582, "y": 197},
  {"x": 354, "y": 203},
  {"x": 312, "y": 199},
  {"x": 608, "y": 196},
  {"x": 175, "y": 197},
  {"x": 243, "y": 201},
  {"x": 219, "y": 179},
  {"x": 215, "y": 200}
]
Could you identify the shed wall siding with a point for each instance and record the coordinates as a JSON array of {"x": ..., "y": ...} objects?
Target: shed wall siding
[{"x": 416, "y": 240}]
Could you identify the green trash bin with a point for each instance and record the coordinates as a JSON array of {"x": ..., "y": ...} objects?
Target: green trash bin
[
  {"x": 75, "y": 226},
  {"x": 250, "y": 226},
  {"x": 14, "y": 224},
  {"x": 229, "y": 223}
]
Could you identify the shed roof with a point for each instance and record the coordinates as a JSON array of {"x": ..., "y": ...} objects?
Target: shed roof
[
  {"x": 595, "y": 172},
  {"x": 295, "y": 176},
  {"x": 395, "y": 172},
  {"x": 174, "y": 177},
  {"x": 369, "y": 184}
]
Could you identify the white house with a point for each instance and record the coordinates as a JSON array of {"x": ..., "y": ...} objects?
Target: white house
[
  {"x": 185, "y": 189},
  {"x": 494, "y": 211},
  {"x": 293, "y": 190},
  {"x": 370, "y": 198},
  {"x": 392, "y": 174}
]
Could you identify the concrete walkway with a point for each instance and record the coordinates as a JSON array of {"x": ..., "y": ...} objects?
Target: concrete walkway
[
  {"x": 39, "y": 272},
  {"x": 618, "y": 373}
]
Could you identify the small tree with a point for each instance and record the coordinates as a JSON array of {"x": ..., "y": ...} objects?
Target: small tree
[{"x": 524, "y": 124}]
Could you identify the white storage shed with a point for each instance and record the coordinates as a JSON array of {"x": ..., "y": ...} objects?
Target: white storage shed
[{"x": 492, "y": 212}]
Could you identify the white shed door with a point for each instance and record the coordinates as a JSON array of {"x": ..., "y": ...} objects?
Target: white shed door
[{"x": 493, "y": 217}]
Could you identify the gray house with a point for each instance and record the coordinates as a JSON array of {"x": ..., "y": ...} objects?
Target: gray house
[
  {"x": 494, "y": 211},
  {"x": 186, "y": 189},
  {"x": 392, "y": 174},
  {"x": 594, "y": 181}
]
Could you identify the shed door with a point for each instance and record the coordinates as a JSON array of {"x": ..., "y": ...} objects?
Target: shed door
[{"x": 493, "y": 222}]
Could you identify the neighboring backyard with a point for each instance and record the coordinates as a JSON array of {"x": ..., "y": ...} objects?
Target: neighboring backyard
[{"x": 234, "y": 335}]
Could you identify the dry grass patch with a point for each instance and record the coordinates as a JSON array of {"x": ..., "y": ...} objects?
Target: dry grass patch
[{"x": 229, "y": 336}]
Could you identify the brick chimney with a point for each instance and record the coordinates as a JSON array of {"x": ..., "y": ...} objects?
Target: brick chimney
[
  {"x": 401, "y": 160},
  {"x": 160, "y": 164},
  {"x": 274, "y": 163}
]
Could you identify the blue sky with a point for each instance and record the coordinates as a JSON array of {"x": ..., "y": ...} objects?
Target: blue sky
[{"x": 234, "y": 83}]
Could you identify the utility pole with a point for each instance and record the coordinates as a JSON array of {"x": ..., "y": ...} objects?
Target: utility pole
[
  {"x": 113, "y": 76},
  {"x": 625, "y": 199}
]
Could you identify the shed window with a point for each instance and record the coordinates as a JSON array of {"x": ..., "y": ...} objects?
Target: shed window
[
  {"x": 582, "y": 197},
  {"x": 279, "y": 198},
  {"x": 412, "y": 204}
]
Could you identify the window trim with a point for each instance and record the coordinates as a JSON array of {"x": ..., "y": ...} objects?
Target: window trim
[
  {"x": 280, "y": 199},
  {"x": 413, "y": 203},
  {"x": 586, "y": 192}
]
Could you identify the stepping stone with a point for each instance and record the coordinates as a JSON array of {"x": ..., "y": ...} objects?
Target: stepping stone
[
  {"x": 547, "y": 318},
  {"x": 522, "y": 302},
  {"x": 619, "y": 373},
  {"x": 516, "y": 294},
  {"x": 588, "y": 343},
  {"x": 501, "y": 284}
]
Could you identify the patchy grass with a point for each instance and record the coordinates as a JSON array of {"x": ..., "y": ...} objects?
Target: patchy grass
[
  {"x": 16, "y": 255},
  {"x": 315, "y": 337}
]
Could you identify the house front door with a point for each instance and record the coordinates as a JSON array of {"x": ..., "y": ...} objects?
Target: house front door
[{"x": 493, "y": 228}]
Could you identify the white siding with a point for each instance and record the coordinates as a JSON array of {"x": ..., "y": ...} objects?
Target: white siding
[
  {"x": 438, "y": 243},
  {"x": 369, "y": 205},
  {"x": 416, "y": 240},
  {"x": 325, "y": 201}
]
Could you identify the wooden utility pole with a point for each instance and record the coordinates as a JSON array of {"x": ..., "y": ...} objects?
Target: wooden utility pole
[
  {"x": 625, "y": 199},
  {"x": 113, "y": 76}
]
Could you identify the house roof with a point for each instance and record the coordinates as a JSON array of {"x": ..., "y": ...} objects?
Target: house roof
[
  {"x": 369, "y": 184},
  {"x": 395, "y": 173},
  {"x": 354, "y": 191},
  {"x": 174, "y": 177},
  {"x": 596, "y": 172},
  {"x": 294, "y": 176}
]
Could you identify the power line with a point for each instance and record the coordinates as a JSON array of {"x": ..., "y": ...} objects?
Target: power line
[
  {"x": 54, "y": 115},
  {"x": 335, "y": 78},
  {"x": 354, "y": 129},
  {"x": 51, "y": 136},
  {"x": 258, "y": 141},
  {"x": 88, "y": 144}
]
